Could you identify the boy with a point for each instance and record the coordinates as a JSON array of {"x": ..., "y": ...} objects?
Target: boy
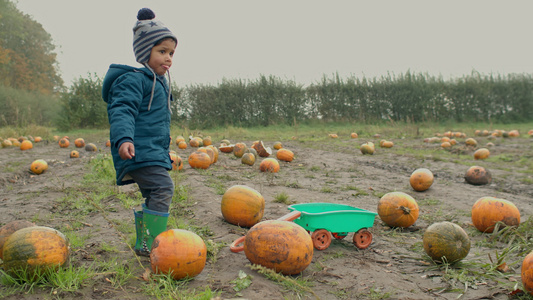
[{"x": 138, "y": 107}]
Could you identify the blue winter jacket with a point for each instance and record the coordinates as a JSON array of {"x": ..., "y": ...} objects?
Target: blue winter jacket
[{"x": 134, "y": 118}]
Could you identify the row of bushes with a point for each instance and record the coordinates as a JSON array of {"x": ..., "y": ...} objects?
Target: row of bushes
[{"x": 270, "y": 100}]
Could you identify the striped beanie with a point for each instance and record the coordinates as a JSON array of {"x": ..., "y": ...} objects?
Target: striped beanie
[{"x": 146, "y": 33}]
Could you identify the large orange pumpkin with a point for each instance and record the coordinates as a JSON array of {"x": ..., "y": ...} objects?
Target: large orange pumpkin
[
  {"x": 398, "y": 209},
  {"x": 421, "y": 179},
  {"x": 269, "y": 165},
  {"x": 481, "y": 153},
  {"x": 199, "y": 160},
  {"x": 26, "y": 145},
  {"x": 179, "y": 253},
  {"x": 35, "y": 247},
  {"x": 242, "y": 206},
  {"x": 79, "y": 143},
  {"x": 38, "y": 166},
  {"x": 64, "y": 143},
  {"x": 446, "y": 242},
  {"x": 8, "y": 229},
  {"x": 239, "y": 149},
  {"x": 527, "y": 273},
  {"x": 279, "y": 245},
  {"x": 285, "y": 155},
  {"x": 487, "y": 211},
  {"x": 477, "y": 175}
]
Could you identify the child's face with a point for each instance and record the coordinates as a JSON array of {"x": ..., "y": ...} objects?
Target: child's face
[{"x": 161, "y": 56}]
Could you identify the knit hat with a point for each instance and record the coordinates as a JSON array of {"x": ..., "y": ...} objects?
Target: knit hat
[{"x": 146, "y": 33}]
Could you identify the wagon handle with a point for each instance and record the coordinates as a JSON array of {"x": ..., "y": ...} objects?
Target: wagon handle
[
  {"x": 234, "y": 247},
  {"x": 291, "y": 216}
]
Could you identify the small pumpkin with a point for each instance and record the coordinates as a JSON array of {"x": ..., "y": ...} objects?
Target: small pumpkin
[
  {"x": 354, "y": 135},
  {"x": 446, "y": 145},
  {"x": 194, "y": 142},
  {"x": 38, "y": 166},
  {"x": 108, "y": 143},
  {"x": 421, "y": 179},
  {"x": 277, "y": 145},
  {"x": 242, "y": 206},
  {"x": 79, "y": 143},
  {"x": 7, "y": 230},
  {"x": 90, "y": 147},
  {"x": 35, "y": 247},
  {"x": 487, "y": 211},
  {"x": 26, "y": 145},
  {"x": 6, "y": 143},
  {"x": 226, "y": 148},
  {"x": 179, "y": 139},
  {"x": 269, "y": 165},
  {"x": 477, "y": 175},
  {"x": 199, "y": 160},
  {"x": 285, "y": 155},
  {"x": 74, "y": 154},
  {"x": 179, "y": 253},
  {"x": 248, "y": 159},
  {"x": 387, "y": 144},
  {"x": 177, "y": 162},
  {"x": 282, "y": 246},
  {"x": 182, "y": 145},
  {"x": 527, "y": 273},
  {"x": 481, "y": 153},
  {"x": 471, "y": 142},
  {"x": 446, "y": 242},
  {"x": 239, "y": 149},
  {"x": 207, "y": 141},
  {"x": 215, "y": 152},
  {"x": 64, "y": 143},
  {"x": 38, "y": 139},
  {"x": 398, "y": 209}
]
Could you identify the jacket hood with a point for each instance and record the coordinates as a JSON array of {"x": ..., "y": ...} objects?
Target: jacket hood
[{"x": 114, "y": 72}]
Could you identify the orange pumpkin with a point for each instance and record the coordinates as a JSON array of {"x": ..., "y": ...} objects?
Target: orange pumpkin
[
  {"x": 471, "y": 142},
  {"x": 90, "y": 147},
  {"x": 446, "y": 145},
  {"x": 398, "y": 209},
  {"x": 354, "y": 135},
  {"x": 182, "y": 145},
  {"x": 248, "y": 159},
  {"x": 108, "y": 143},
  {"x": 74, "y": 154},
  {"x": 179, "y": 139},
  {"x": 367, "y": 148},
  {"x": 282, "y": 246},
  {"x": 242, "y": 206},
  {"x": 26, "y": 145},
  {"x": 199, "y": 160},
  {"x": 446, "y": 242},
  {"x": 269, "y": 165},
  {"x": 421, "y": 179},
  {"x": 79, "y": 143},
  {"x": 226, "y": 148},
  {"x": 64, "y": 143},
  {"x": 387, "y": 144},
  {"x": 527, "y": 273},
  {"x": 481, "y": 153},
  {"x": 177, "y": 162},
  {"x": 207, "y": 141},
  {"x": 7, "y": 230},
  {"x": 194, "y": 142},
  {"x": 38, "y": 166},
  {"x": 38, "y": 139},
  {"x": 477, "y": 175},
  {"x": 35, "y": 247},
  {"x": 487, "y": 211},
  {"x": 285, "y": 155},
  {"x": 179, "y": 253},
  {"x": 277, "y": 145},
  {"x": 239, "y": 149}
]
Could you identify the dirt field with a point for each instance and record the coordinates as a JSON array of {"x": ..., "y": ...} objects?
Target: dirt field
[{"x": 395, "y": 265}]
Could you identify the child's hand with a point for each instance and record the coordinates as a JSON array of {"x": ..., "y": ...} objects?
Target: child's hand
[{"x": 126, "y": 150}]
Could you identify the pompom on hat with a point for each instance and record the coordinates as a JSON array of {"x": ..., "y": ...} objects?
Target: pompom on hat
[{"x": 146, "y": 33}]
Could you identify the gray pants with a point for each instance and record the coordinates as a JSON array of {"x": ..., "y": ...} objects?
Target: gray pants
[{"x": 156, "y": 187}]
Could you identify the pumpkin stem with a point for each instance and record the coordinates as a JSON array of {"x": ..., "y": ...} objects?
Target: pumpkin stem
[{"x": 406, "y": 210}]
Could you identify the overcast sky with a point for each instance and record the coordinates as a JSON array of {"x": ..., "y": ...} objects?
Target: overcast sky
[{"x": 300, "y": 40}]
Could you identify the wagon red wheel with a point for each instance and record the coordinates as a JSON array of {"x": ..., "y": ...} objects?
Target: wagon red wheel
[
  {"x": 362, "y": 238},
  {"x": 339, "y": 236},
  {"x": 321, "y": 239}
]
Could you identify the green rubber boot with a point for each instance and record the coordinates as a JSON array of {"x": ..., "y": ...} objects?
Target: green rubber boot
[
  {"x": 153, "y": 223},
  {"x": 139, "y": 231}
]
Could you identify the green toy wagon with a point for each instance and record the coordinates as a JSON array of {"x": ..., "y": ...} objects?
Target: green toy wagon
[{"x": 327, "y": 220}]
